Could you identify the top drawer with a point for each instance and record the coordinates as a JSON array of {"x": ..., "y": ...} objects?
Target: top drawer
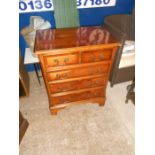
[
  {"x": 96, "y": 56},
  {"x": 61, "y": 60}
]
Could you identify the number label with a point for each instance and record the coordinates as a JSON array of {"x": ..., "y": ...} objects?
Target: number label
[
  {"x": 95, "y": 3},
  {"x": 47, "y": 5},
  {"x": 35, "y": 5}
]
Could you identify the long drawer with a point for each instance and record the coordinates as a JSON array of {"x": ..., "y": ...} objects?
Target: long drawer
[
  {"x": 83, "y": 95},
  {"x": 77, "y": 84},
  {"x": 78, "y": 72}
]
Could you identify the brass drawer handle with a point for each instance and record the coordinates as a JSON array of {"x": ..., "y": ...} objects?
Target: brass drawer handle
[
  {"x": 65, "y": 75},
  {"x": 56, "y": 61},
  {"x": 62, "y": 76},
  {"x": 99, "y": 71},
  {"x": 66, "y": 60},
  {"x": 60, "y": 89},
  {"x": 96, "y": 83},
  {"x": 60, "y": 100},
  {"x": 63, "y": 100},
  {"x": 57, "y": 76},
  {"x": 88, "y": 95},
  {"x": 96, "y": 94},
  {"x": 89, "y": 84}
]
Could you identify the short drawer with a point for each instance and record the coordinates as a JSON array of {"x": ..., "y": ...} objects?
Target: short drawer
[
  {"x": 78, "y": 72},
  {"x": 100, "y": 92},
  {"x": 78, "y": 84},
  {"x": 61, "y": 60},
  {"x": 96, "y": 56}
]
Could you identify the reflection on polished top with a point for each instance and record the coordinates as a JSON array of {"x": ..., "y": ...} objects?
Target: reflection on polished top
[{"x": 72, "y": 37}]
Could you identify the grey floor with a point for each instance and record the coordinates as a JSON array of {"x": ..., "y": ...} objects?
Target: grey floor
[{"x": 78, "y": 130}]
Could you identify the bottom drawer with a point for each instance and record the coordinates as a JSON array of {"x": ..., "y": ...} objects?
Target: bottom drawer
[{"x": 97, "y": 92}]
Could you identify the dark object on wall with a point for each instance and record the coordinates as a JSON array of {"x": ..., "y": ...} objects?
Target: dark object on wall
[
  {"x": 123, "y": 28},
  {"x": 23, "y": 124},
  {"x": 23, "y": 79}
]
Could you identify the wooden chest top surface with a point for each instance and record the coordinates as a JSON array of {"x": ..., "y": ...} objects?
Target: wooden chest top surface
[{"x": 51, "y": 39}]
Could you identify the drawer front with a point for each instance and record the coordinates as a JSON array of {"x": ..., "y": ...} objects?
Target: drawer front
[
  {"x": 78, "y": 72},
  {"x": 96, "y": 56},
  {"x": 78, "y": 96},
  {"x": 61, "y": 60},
  {"x": 90, "y": 83},
  {"x": 62, "y": 87},
  {"x": 79, "y": 84}
]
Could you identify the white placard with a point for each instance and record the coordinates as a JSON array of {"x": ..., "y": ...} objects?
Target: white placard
[{"x": 47, "y": 5}]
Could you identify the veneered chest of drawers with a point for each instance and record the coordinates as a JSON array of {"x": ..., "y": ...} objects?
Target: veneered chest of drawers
[{"x": 75, "y": 63}]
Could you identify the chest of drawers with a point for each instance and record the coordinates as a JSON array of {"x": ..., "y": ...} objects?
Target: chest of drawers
[{"x": 75, "y": 63}]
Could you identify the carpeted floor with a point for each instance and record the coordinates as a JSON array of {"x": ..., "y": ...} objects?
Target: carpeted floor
[{"x": 78, "y": 130}]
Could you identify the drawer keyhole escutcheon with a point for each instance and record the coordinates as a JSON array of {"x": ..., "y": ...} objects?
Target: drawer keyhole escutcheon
[
  {"x": 93, "y": 58},
  {"x": 90, "y": 72},
  {"x": 101, "y": 56}
]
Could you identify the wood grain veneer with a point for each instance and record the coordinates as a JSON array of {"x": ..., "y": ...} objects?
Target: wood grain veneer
[{"x": 76, "y": 63}]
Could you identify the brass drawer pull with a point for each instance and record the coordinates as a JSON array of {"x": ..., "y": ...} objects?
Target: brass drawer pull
[
  {"x": 89, "y": 95},
  {"x": 99, "y": 71},
  {"x": 60, "y": 89},
  {"x": 56, "y": 61},
  {"x": 62, "y": 76},
  {"x": 57, "y": 76},
  {"x": 96, "y": 94},
  {"x": 60, "y": 100},
  {"x": 66, "y": 60},
  {"x": 89, "y": 84},
  {"x": 63, "y": 100},
  {"x": 65, "y": 75},
  {"x": 96, "y": 83}
]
